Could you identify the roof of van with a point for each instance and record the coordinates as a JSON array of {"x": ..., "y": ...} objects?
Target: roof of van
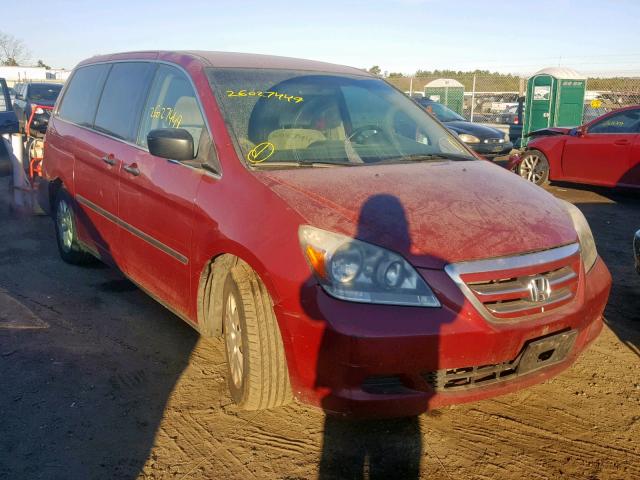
[{"x": 234, "y": 60}]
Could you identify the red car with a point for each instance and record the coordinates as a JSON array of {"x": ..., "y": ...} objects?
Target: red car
[
  {"x": 353, "y": 253},
  {"x": 605, "y": 151}
]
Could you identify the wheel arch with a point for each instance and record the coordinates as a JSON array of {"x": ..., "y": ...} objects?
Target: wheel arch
[
  {"x": 552, "y": 148},
  {"x": 211, "y": 279},
  {"x": 54, "y": 187}
]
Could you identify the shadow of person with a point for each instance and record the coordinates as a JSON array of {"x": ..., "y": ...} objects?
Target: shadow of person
[{"x": 382, "y": 371}]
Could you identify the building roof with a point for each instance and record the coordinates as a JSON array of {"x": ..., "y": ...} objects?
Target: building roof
[
  {"x": 561, "y": 72},
  {"x": 444, "y": 82}
]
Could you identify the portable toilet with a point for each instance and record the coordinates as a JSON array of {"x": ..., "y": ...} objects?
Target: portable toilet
[
  {"x": 555, "y": 98},
  {"x": 446, "y": 91}
]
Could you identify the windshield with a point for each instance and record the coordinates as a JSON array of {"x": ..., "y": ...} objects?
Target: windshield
[
  {"x": 44, "y": 93},
  {"x": 281, "y": 117},
  {"x": 442, "y": 113}
]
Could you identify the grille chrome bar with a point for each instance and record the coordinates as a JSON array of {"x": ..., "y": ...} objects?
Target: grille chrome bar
[
  {"x": 500, "y": 288},
  {"x": 502, "y": 308}
]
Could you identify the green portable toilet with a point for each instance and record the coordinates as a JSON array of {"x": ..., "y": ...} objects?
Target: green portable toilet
[
  {"x": 555, "y": 98},
  {"x": 446, "y": 91}
]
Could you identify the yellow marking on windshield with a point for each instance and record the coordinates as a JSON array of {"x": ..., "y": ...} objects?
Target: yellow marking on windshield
[
  {"x": 261, "y": 152},
  {"x": 269, "y": 94}
]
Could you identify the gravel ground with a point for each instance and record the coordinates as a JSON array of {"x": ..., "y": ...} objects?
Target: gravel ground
[{"x": 99, "y": 381}]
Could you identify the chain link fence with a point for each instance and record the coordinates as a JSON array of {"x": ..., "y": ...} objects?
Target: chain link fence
[{"x": 494, "y": 98}]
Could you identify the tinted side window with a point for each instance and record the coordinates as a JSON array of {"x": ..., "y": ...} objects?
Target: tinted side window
[
  {"x": 82, "y": 94},
  {"x": 623, "y": 122},
  {"x": 122, "y": 99},
  {"x": 171, "y": 104}
]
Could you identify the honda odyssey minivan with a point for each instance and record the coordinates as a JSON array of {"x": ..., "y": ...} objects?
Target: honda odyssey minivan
[{"x": 352, "y": 252}]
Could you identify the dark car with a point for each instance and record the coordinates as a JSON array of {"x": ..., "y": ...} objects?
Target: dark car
[
  {"x": 8, "y": 121},
  {"x": 8, "y": 124},
  {"x": 488, "y": 142},
  {"x": 39, "y": 94}
]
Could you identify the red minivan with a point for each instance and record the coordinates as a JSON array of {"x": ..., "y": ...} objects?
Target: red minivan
[{"x": 352, "y": 251}]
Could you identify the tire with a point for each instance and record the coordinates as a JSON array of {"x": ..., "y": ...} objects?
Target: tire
[
  {"x": 64, "y": 219},
  {"x": 534, "y": 167},
  {"x": 257, "y": 368}
]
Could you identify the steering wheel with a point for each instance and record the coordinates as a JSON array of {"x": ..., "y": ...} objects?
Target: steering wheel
[{"x": 358, "y": 135}]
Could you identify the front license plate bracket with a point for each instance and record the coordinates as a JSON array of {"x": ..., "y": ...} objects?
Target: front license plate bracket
[{"x": 546, "y": 351}]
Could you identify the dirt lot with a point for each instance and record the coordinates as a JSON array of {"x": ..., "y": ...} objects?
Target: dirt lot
[{"x": 99, "y": 381}]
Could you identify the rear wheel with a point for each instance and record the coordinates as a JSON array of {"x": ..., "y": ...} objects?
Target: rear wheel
[
  {"x": 534, "y": 167},
  {"x": 258, "y": 375},
  {"x": 66, "y": 232}
]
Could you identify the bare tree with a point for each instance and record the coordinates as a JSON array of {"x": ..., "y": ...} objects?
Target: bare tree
[{"x": 13, "y": 51}]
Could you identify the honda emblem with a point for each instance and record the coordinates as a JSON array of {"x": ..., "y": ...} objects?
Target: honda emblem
[{"x": 539, "y": 289}]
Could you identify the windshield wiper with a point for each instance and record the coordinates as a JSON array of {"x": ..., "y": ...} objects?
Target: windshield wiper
[
  {"x": 300, "y": 163},
  {"x": 425, "y": 157}
]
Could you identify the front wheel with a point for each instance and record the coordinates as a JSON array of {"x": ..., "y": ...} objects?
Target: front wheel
[
  {"x": 258, "y": 375},
  {"x": 534, "y": 167}
]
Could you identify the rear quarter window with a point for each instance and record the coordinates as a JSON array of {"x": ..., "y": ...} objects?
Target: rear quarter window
[{"x": 81, "y": 96}]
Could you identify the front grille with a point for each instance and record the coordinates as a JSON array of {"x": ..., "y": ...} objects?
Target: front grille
[
  {"x": 469, "y": 377},
  {"x": 508, "y": 288},
  {"x": 535, "y": 355}
]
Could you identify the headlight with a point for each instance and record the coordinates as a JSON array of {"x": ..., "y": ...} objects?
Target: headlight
[
  {"x": 357, "y": 271},
  {"x": 39, "y": 111},
  {"x": 587, "y": 243},
  {"x": 466, "y": 138}
]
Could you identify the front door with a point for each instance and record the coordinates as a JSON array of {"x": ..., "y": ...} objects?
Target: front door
[
  {"x": 157, "y": 195},
  {"x": 602, "y": 155}
]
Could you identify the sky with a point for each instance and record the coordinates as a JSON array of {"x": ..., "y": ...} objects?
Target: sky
[{"x": 594, "y": 37}]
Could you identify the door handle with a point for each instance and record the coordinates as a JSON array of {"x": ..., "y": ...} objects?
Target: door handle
[
  {"x": 132, "y": 169},
  {"x": 109, "y": 160},
  {"x": 621, "y": 142}
]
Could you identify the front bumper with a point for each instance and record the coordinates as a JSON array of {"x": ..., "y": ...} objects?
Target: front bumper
[
  {"x": 376, "y": 360},
  {"x": 490, "y": 150}
]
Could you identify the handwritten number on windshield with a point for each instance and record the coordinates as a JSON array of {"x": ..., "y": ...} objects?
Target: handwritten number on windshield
[{"x": 269, "y": 94}]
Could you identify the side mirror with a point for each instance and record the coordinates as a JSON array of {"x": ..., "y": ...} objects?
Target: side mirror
[
  {"x": 171, "y": 143},
  {"x": 577, "y": 131}
]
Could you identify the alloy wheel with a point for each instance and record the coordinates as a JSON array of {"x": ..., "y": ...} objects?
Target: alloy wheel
[
  {"x": 233, "y": 339},
  {"x": 532, "y": 168},
  {"x": 64, "y": 217}
]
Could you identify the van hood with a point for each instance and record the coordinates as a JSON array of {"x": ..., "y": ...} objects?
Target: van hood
[{"x": 432, "y": 213}]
